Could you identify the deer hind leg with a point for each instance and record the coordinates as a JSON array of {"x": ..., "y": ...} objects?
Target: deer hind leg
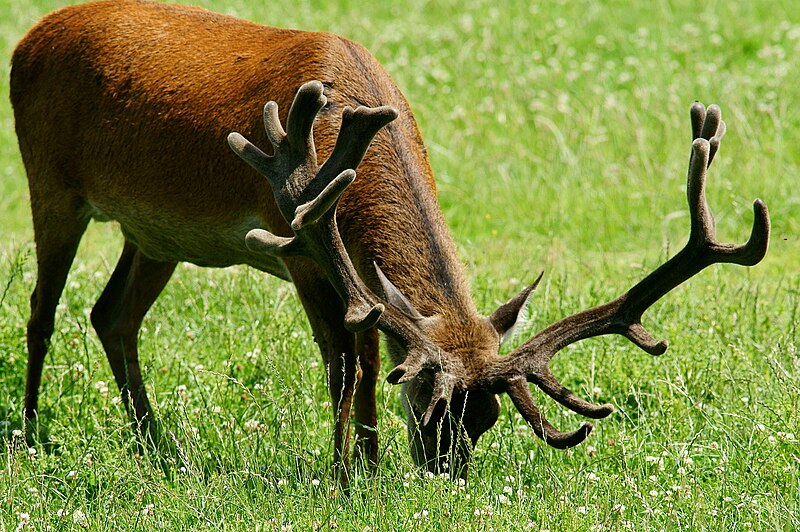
[
  {"x": 117, "y": 317},
  {"x": 326, "y": 315},
  {"x": 366, "y": 416},
  {"x": 59, "y": 221}
]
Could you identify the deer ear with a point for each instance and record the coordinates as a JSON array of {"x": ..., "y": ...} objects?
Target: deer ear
[
  {"x": 396, "y": 298},
  {"x": 505, "y": 318}
]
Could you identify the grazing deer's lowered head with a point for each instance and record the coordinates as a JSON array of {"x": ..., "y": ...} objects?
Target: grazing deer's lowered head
[{"x": 122, "y": 112}]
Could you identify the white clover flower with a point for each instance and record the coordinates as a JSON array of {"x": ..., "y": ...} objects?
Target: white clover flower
[
  {"x": 24, "y": 519},
  {"x": 102, "y": 388},
  {"x": 77, "y": 371},
  {"x": 79, "y": 518},
  {"x": 314, "y": 482}
]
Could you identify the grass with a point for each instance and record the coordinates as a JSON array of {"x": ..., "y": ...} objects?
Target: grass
[{"x": 559, "y": 135}]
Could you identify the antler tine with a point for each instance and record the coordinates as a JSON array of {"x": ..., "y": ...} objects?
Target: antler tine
[
  {"x": 307, "y": 196},
  {"x": 300, "y": 121},
  {"x": 272, "y": 124},
  {"x": 443, "y": 382},
  {"x": 359, "y": 127},
  {"x": 697, "y": 114},
  {"x": 521, "y": 396},
  {"x": 711, "y": 122},
  {"x": 440, "y": 399},
  {"x": 406, "y": 371},
  {"x": 548, "y": 383},
  {"x": 530, "y": 362}
]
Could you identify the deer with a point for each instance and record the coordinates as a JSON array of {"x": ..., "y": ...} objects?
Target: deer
[{"x": 152, "y": 116}]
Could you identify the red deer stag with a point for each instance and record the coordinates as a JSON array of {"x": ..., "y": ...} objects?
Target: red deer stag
[{"x": 122, "y": 112}]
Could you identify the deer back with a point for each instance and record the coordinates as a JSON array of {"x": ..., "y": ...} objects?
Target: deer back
[{"x": 133, "y": 101}]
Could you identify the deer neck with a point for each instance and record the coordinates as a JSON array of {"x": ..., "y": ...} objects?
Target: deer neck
[{"x": 397, "y": 223}]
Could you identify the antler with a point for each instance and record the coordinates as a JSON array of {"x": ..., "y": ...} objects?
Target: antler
[
  {"x": 307, "y": 194},
  {"x": 530, "y": 362}
]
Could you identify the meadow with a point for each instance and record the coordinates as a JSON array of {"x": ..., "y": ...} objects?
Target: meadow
[{"x": 559, "y": 134}]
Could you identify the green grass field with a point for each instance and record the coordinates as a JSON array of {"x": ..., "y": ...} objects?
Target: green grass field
[{"x": 559, "y": 134}]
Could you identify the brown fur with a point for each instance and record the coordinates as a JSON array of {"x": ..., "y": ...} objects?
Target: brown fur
[{"x": 122, "y": 109}]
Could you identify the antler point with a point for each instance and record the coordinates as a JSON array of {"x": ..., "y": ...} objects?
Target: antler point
[
  {"x": 659, "y": 349},
  {"x": 395, "y": 376}
]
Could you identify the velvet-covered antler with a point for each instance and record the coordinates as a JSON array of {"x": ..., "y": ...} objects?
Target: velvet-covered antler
[
  {"x": 530, "y": 362},
  {"x": 307, "y": 194}
]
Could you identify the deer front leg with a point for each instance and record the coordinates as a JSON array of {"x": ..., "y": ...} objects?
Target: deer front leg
[
  {"x": 338, "y": 347},
  {"x": 366, "y": 416},
  {"x": 342, "y": 379}
]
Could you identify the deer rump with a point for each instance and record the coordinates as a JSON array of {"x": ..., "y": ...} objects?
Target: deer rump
[{"x": 122, "y": 112}]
